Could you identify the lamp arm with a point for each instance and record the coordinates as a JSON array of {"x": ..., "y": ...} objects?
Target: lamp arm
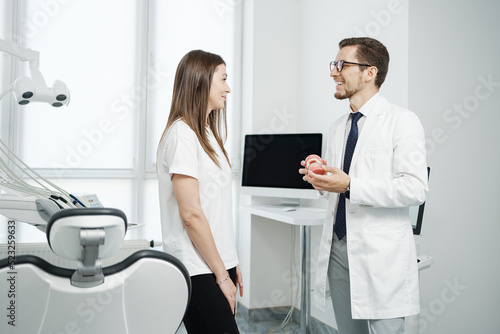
[
  {"x": 38, "y": 79},
  {"x": 25, "y": 54}
]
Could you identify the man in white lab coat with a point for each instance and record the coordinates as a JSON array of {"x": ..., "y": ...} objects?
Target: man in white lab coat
[{"x": 376, "y": 169}]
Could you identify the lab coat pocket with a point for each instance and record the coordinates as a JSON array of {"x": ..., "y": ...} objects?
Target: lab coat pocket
[
  {"x": 386, "y": 265},
  {"x": 376, "y": 161}
]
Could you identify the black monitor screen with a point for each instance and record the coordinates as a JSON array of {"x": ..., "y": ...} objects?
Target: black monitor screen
[{"x": 273, "y": 160}]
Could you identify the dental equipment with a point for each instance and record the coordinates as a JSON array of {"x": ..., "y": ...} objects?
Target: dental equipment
[
  {"x": 34, "y": 89},
  {"x": 33, "y": 203}
]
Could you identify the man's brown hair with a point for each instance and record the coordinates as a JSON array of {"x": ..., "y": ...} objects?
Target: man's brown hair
[{"x": 372, "y": 52}]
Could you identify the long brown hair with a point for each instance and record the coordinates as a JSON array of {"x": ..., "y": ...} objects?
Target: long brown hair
[{"x": 192, "y": 82}]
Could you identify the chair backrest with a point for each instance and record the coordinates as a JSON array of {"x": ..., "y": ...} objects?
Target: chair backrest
[
  {"x": 64, "y": 230},
  {"x": 148, "y": 292},
  {"x": 86, "y": 235}
]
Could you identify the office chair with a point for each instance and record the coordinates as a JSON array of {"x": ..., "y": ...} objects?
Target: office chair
[{"x": 148, "y": 292}]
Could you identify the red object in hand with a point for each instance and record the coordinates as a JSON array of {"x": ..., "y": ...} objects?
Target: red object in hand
[{"x": 314, "y": 163}]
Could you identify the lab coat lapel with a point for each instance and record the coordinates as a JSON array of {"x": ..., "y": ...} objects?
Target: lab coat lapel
[
  {"x": 339, "y": 141},
  {"x": 378, "y": 109}
]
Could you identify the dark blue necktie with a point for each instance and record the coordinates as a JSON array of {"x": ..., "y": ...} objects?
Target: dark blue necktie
[{"x": 340, "y": 228}]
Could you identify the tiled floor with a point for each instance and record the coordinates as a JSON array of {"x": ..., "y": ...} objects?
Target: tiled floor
[{"x": 270, "y": 326}]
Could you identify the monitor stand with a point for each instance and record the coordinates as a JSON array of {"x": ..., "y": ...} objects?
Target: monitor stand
[
  {"x": 293, "y": 202},
  {"x": 287, "y": 204}
]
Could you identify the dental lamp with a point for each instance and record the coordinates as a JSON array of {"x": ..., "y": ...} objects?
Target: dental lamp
[
  {"x": 34, "y": 89},
  {"x": 31, "y": 203}
]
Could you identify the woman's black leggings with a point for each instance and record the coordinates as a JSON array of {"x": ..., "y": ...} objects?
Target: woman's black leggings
[{"x": 209, "y": 311}]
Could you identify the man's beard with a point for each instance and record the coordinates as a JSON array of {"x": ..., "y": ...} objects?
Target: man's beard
[
  {"x": 348, "y": 93},
  {"x": 340, "y": 96}
]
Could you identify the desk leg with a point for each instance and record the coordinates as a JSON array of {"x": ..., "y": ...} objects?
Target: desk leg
[{"x": 305, "y": 292}]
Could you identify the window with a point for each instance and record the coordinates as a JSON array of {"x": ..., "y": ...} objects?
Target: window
[
  {"x": 94, "y": 51},
  {"x": 119, "y": 67},
  {"x": 177, "y": 28}
]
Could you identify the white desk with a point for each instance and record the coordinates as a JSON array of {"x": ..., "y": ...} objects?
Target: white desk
[{"x": 305, "y": 218}]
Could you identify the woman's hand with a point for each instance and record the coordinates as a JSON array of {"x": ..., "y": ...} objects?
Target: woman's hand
[
  {"x": 239, "y": 280},
  {"x": 229, "y": 290}
]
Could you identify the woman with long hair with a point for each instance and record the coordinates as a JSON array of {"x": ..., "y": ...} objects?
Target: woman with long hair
[{"x": 194, "y": 180}]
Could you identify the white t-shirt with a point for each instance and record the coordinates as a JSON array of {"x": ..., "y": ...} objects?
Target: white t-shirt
[{"x": 180, "y": 152}]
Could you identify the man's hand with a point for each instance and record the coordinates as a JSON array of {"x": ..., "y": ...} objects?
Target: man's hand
[{"x": 335, "y": 180}]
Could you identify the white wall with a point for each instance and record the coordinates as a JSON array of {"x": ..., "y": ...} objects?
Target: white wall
[{"x": 454, "y": 49}]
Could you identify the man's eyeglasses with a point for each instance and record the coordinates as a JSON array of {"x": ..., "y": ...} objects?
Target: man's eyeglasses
[{"x": 340, "y": 65}]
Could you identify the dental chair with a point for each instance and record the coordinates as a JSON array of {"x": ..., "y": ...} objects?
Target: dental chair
[{"x": 148, "y": 292}]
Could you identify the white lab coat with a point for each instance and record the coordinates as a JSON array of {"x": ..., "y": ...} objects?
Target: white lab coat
[{"x": 388, "y": 174}]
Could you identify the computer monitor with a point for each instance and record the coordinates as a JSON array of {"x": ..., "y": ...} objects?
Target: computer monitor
[
  {"x": 417, "y": 213},
  {"x": 271, "y": 164}
]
